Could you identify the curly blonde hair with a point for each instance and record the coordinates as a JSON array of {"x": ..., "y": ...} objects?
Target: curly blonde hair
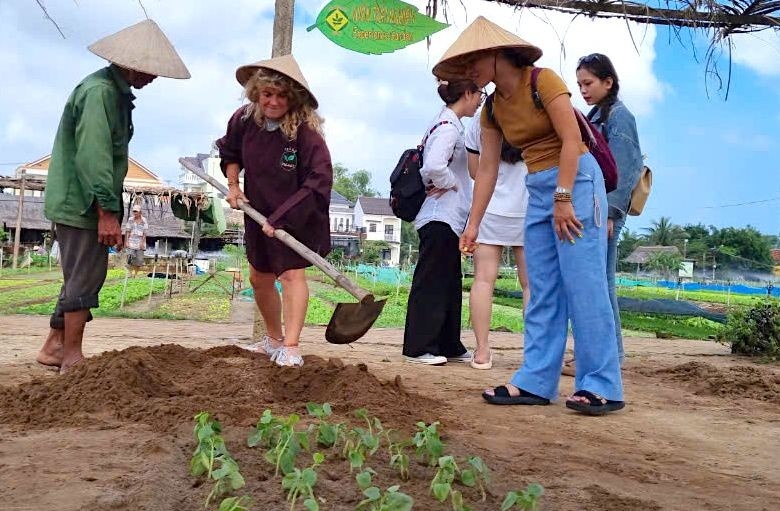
[{"x": 301, "y": 109}]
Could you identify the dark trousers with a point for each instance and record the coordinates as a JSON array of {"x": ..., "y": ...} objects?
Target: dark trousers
[{"x": 435, "y": 299}]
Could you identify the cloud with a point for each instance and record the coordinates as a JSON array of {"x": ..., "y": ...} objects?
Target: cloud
[
  {"x": 374, "y": 106},
  {"x": 758, "y": 51}
]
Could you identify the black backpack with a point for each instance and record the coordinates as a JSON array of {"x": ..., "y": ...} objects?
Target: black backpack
[{"x": 407, "y": 191}]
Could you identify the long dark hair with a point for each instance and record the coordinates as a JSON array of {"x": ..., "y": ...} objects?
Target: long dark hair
[
  {"x": 510, "y": 153},
  {"x": 602, "y": 68},
  {"x": 450, "y": 92}
]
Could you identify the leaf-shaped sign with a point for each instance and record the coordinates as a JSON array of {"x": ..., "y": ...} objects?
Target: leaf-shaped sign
[{"x": 374, "y": 26}]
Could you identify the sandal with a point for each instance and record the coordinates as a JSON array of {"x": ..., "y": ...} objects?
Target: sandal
[
  {"x": 483, "y": 365},
  {"x": 502, "y": 397},
  {"x": 596, "y": 405}
]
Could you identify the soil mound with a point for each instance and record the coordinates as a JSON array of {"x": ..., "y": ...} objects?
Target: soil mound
[
  {"x": 738, "y": 381},
  {"x": 166, "y": 385}
]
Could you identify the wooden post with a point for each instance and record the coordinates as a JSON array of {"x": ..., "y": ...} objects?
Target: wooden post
[
  {"x": 18, "y": 232},
  {"x": 284, "y": 14}
]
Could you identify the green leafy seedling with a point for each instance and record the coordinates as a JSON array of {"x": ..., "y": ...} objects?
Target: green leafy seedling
[
  {"x": 364, "y": 478},
  {"x": 301, "y": 482},
  {"x": 289, "y": 444},
  {"x": 327, "y": 434},
  {"x": 266, "y": 431},
  {"x": 390, "y": 500},
  {"x": 441, "y": 485},
  {"x": 235, "y": 504},
  {"x": 477, "y": 474},
  {"x": 526, "y": 500},
  {"x": 212, "y": 458},
  {"x": 427, "y": 443}
]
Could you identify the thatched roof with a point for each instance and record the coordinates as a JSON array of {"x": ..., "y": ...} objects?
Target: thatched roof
[
  {"x": 642, "y": 255},
  {"x": 162, "y": 223}
]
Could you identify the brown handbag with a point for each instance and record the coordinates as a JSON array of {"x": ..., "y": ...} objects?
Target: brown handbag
[{"x": 641, "y": 192}]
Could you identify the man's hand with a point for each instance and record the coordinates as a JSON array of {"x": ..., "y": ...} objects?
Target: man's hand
[
  {"x": 610, "y": 228},
  {"x": 434, "y": 192},
  {"x": 109, "y": 231}
]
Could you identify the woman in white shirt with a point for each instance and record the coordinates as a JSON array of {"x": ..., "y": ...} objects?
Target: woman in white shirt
[
  {"x": 502, "y": 226},
  {"x": 432, "y": 333}
]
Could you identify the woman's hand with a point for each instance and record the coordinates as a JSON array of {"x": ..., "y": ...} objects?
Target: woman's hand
[
  {"x": 468, "y": 240},
  {"x": 610, "y": 228},
  {"x": 434, "y": 192},
  {"x": 234, "y": 195},
  {"x": 565, "y": 221},
  {"x": 268, "y": 230}
]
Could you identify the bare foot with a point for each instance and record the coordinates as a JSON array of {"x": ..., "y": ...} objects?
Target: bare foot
[
  {"x": 51, "y": 352},
  {"x": 482, "y": 355},
  {"x": 69, "y": 363}
]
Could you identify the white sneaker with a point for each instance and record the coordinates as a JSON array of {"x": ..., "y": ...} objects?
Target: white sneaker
[
  {"x": 264, "y": 345},
  {"x": 427, "y": 359},
  {"x": 283, "y": 357},
  {"x": 465, "y": 358}
]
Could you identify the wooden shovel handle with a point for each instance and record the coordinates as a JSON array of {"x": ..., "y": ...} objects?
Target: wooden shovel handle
[{"x": 285, "y": 237}]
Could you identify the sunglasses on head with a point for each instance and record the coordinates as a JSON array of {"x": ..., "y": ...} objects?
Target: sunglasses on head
[{"x": 587, "y": 59}]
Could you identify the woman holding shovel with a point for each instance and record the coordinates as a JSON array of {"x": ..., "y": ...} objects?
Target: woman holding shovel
[{"x": 277, "y": 140}]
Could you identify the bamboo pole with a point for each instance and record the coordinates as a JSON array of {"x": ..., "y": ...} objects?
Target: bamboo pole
[
  {"x": 124, "y": 288},
  {"x": 151, "y": 281},
  {"x": 18, "y": 232}
]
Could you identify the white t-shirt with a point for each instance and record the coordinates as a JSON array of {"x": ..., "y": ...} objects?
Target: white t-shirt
[
  {"x": 510, "y": 198},
  {"x": 136, "y": 230}
]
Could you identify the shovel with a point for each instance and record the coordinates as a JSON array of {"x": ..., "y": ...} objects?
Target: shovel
[{"x": 350, "y": 321}]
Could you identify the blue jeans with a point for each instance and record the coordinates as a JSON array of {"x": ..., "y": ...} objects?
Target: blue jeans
[
  {"x": 568, "y": 282},
  {"x": 612, "y": 253}
]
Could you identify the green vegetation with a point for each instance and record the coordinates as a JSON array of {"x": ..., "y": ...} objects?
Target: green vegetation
[
  {"x": 284, "y": 439},
  {"x": 754, "y": 331}
]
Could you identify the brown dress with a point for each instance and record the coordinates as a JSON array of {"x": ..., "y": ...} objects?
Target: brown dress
[{"x": 289, "y": 182}]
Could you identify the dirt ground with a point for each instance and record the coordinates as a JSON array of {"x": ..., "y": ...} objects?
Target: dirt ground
[{"x": 700, "y": 430}]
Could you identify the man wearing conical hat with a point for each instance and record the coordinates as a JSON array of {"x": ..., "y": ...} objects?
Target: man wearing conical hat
[
  {"x": 87, "y": 169},
  {"x": 276, "y": 139},
  {"x": 565, "y": 228}
]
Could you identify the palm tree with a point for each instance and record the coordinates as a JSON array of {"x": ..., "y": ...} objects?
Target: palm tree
[{"x": 663, "y": 232}]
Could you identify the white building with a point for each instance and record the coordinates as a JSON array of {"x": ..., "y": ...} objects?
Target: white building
[
  {"x": 380, "y": 224},
  {"x": 209, "y": 163},
  {"x": 343, "y": 231}
]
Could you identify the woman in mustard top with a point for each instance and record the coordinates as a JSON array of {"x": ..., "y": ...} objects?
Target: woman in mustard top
[{"x": 566, "y": 235}]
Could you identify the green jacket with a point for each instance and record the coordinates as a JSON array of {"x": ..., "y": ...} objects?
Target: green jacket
[{"x": 89, "y": 159}]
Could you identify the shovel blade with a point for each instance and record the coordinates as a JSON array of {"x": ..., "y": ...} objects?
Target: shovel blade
[{"x": 351, "y": 321}]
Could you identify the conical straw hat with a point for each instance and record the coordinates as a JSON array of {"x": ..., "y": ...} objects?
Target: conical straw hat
[
  {"x": 285, "y": 65},
  {"x": 481, "y": 35},
  {"x": 142, "y": 47}
]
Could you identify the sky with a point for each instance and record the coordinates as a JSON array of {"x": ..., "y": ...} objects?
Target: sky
[{"x": 714, "y": 160}]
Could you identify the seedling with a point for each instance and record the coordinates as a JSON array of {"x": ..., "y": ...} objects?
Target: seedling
[
  {"x": 355, "y": 450},
  {"x": 301, "y": 482},
  {"x": 527, "y": 500},
  {"x": 289, "y": 444},
  {"x": 235, "y": 504},
  {"x": 364, "y": 478},
  {"x": 477, "y": 474},
  {"x": 327, "y": 434},
  {"x": 441, "y": 485},
  {"x": 210, "y": 452},
  {"x": 399, "y": 460},
  {"x": 266, "y": 431},
  {"x": 428, "y": 444},
  {"x": 390, "y": 500}
]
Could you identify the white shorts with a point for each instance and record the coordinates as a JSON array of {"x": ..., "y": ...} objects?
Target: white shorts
[{"x": 506, "y": 231}]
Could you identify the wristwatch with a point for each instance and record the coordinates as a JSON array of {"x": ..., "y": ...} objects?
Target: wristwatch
[{"x": 560, "y": 189}]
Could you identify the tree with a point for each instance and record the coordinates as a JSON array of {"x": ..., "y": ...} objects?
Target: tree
[
  {"x": 352, "y": 184},
  {"x": 627, "y": 243},
  {"x": 372, "y": 251},
  {"x": 663, "y": 232},
  {"x": 665, "y": 263},
  {"x": 743, "y": 248},
  {"x": 410, "y": 243}
]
